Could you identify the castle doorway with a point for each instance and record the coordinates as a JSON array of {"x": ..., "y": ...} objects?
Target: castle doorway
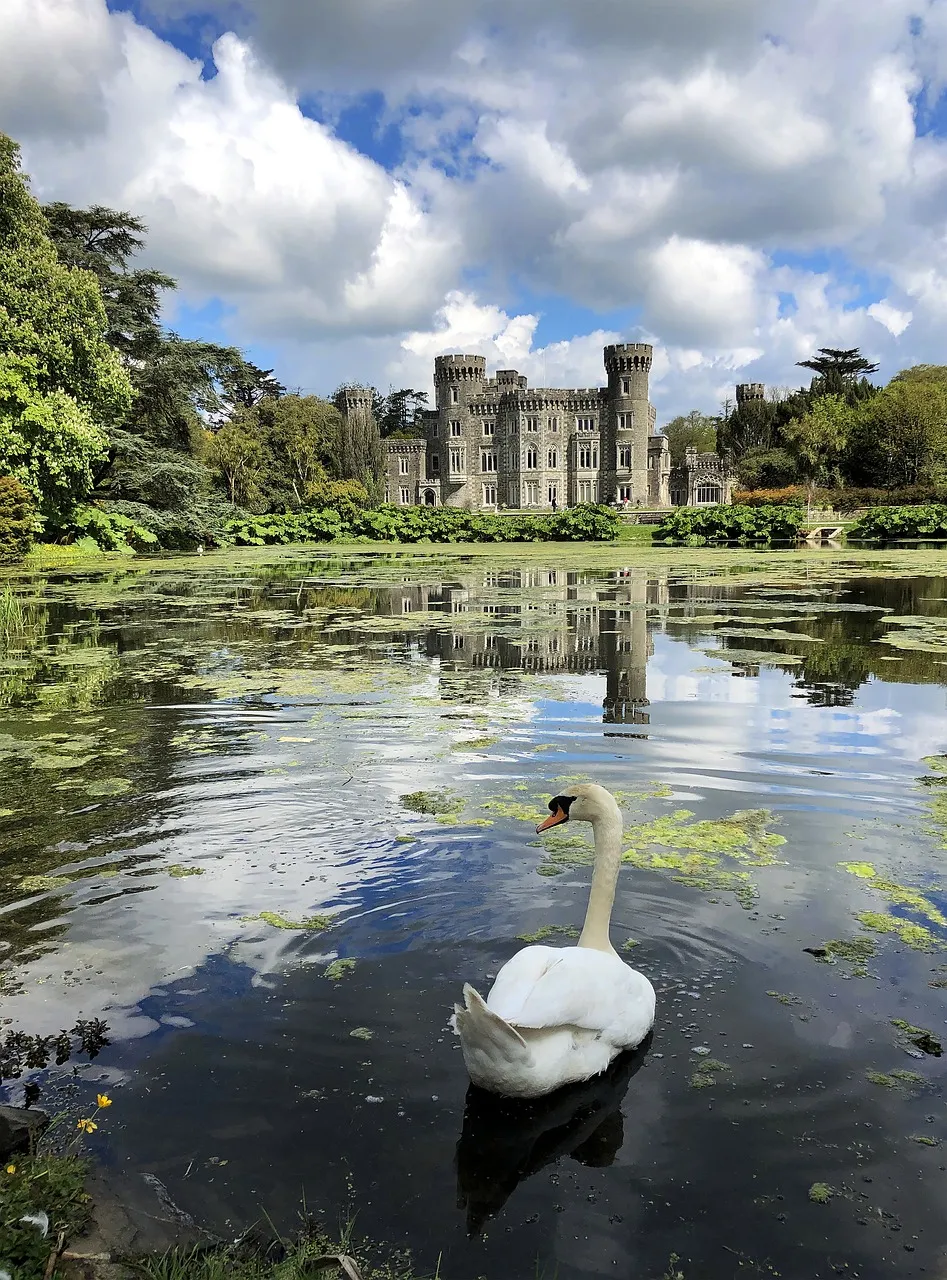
[{"x": 430, "y": 498}]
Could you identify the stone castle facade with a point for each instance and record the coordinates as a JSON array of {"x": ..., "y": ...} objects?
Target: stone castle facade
[{"x": 494, "y": 442}]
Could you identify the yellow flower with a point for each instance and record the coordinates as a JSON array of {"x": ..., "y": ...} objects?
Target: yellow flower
[
  {"x": 11, "y": 1168},
  {"x": 87, "y": 1126},
  {"x": 103, "y": 1100}
]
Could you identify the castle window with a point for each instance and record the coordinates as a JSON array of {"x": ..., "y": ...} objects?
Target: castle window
[
  {"x": 489, "y": 428},
  {"x": 488, "y": 460},
  {"x": 553, "y": 424},
  {"x": 588, "y": 490},
  {"x": 624, "y": 458},
  {"x": 553, "y": 496},
  {"x": 454, "y": 395},
  {"x": 626, "y": 421},
  {"x": 402, "y": 466},
  {"x": 678, "y": 497},
  {"x": 624, "y": 493},
  {"x": 532, "y": 424},
  {"x": 652, "y": 461},
  {"x": 456, "y": 460},
  {"x": 405, "y": 496},
  {"x": 387, "y": 494},
  {"x": 588, "y": 457},
  {"x": 489, "y": 495},
  {"x": 456, "y": 428},
  {"x": 626, "y": 386},
  {"x": 707, "y": 494},
  {"x": 531, "y": 495},
  {"x": 585, "y": 424},
  {"x": 435, "y": 465},
  {"x": 552, "y": 459},
  {"x": 532, "y": 459}
]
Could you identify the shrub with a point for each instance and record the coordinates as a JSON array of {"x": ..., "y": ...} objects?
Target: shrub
[
  {"x": 885, "y": 523},
  {"x": 17, "y": 520},
  {"x": 107, "y": 531},
  {"x": 694, "y": 526},
  {"x": 388, "y": 523},
  {"x": 792, "y": 496}
]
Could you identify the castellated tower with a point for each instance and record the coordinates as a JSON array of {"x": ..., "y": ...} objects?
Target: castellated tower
[
  {"x": 453, "y": 453},
  {"x": 626, "y": 424},
  {"x": 747, "y": 391}
]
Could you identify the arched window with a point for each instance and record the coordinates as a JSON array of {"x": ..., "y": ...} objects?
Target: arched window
[
  {"x": 430, "y": 498},
  {"x": 707, "y": 494}
]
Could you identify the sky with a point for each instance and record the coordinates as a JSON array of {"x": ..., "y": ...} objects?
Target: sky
[{"x": 348, "y": 188}]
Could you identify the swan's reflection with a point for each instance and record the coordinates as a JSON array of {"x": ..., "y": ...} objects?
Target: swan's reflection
[{"x": 505, "y": 1141}]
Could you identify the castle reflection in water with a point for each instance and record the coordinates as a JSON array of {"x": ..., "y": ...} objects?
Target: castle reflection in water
[{"x": 546, "y": 622}]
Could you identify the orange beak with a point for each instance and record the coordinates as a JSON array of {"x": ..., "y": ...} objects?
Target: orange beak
[{"x": 553, "y": 820}]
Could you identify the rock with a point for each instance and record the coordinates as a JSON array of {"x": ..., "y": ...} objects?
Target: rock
[
  {"x": 132, "y": 1213},
  {"x": 20, "y": 1128}
]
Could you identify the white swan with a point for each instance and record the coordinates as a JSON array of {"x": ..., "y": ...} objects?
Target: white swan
[{"x": 556, "y": 1015}]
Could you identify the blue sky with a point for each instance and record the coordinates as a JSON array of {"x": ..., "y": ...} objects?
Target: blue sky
[{"x": 346, "y": 190}]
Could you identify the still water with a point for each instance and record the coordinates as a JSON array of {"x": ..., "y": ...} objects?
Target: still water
[{"x": 202, "y": 760}]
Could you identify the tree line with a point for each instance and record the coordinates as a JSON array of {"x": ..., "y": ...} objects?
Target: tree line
[
  {"x": 101, "y": 403},
  {"x": 840, "y": 432}
]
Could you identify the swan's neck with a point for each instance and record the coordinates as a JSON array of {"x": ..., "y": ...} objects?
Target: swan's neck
[{"x": 608, "y": 843}]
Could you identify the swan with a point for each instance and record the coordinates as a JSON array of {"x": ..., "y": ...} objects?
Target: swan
[{"x": 558, "y": 1015}]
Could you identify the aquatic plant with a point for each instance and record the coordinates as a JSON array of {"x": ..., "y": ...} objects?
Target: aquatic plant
[
  {"x": 435, "y": 803},
  {"x": 337, "y": 970},
  {"x": 280, "y": 922},
  {"x": 708, "y": 1073},
  {"x": 920, "y": 1037},
  {"x": 695, "y": 526},
  {"x": 820, "y": 1193},
  {"x": 899, "y": 1078}
]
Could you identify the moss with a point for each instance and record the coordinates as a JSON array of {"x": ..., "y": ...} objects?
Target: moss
[
  {"x": 920, "y": 1037},
  {"x": 42, "y": 884},
  {"x": 708, "y": 1073},
  {"x": 338, "y": 969},
  {"x": 280, "y": 922},
  {"x": 435, "y": 803},
  {"x": 179, "y": 872},
  {"x": 916, "y": 936},
  {"x": 548, "y": 931},
  {"x": 898, "y": 1078},
  {"x": 820, "y": 1193}
]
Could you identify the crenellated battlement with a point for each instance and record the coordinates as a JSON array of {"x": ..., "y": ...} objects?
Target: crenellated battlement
[
  {"x": 747, "y": 391},
  {"x": 628, "y": 357},
  {"x": 459, "y": 369}
]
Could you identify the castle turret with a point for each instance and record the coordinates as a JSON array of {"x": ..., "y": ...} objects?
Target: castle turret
[
  {"x": 747, "y": 391},
  {"x": 457, "y": 378},
  {"x": 628, "y": 421}
]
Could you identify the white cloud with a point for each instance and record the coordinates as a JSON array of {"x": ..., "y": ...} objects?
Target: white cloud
[{"x": 645, "y": 159}]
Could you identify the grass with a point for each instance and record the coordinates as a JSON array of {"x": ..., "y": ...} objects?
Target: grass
[
  {"x": 13, "y": 619},
  {"x": 254, "y": 1257},
  {"x": 44, "y": 1183},
  {"x": 638, "y": 535}
]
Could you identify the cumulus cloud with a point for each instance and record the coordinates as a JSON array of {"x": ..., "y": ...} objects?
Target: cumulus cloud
[{"x": 653, "y": 160}]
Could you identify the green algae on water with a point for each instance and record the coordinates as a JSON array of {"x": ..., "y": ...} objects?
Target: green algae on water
[
  {"x": 897, "y": 1079},
  {"x": 820, "y": 1193},
  {"x": 915, "y": 936},
  {"x": 338, "y": 969},
  {"x": 280, "y": 922},
  {"x": 548, "y": 931},
  {"x": 42, "y": 884},
  {"x": 362, "y": 1033},
  {"x": 439, "y": 803},
  {"x": 180, "y": 873},
  {"x": 708, "y": 1073},
  {"x": 920, "y": 1037},
  {"x": 924, "y": 1139}
]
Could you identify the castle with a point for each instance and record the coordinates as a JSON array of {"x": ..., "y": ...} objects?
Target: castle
[{"x": 496, "y": 442}]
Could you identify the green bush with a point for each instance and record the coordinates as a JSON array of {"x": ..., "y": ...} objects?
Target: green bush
[
  {"x": 695, "y": 526},
  {"x": 586, "y": 523},
  {"x": 17, "y": 520},
  {"x": 107, "y": 531},
  {"x": 888, "y": 523}
]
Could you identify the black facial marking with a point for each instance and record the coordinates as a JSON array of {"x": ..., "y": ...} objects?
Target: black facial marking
[{"x": 560, "y": 802}]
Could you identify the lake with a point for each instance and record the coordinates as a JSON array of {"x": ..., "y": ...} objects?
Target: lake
[{"x": 265, "y": 812}]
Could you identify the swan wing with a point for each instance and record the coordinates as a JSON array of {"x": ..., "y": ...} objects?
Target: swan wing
[{"x": 569, "y": 986}]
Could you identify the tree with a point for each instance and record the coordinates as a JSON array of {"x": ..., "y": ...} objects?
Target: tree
[
  {"x": 102, "y": 240},
  {"x": 244, "y": 385},
  {"x": 819, "y": 438},
  {"x": 61, "y": 387},
  {"x": 238, "y": 454},
  {"x": 303, "y": 434},
  {"x": 692, "y": 429},
  {"x": 900, "y": 435},
  {"x": 359, "y": 453},
  {"x": 400, "y": 411},
  {"x": 847, "y": 365}
]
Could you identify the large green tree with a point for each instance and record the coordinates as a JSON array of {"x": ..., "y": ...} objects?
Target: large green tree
[
  {"x": 694, "y": 429},
  {"x": 900, "y": 435},
  {"x": 819, "y": 438},
  {"x": 62, "y": 388}
]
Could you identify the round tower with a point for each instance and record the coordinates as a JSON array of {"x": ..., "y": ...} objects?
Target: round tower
[
  {"x": 627, "y": 423},
  {"x": 747, "y": 391},
  {"x": 456, "y": 378}
]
